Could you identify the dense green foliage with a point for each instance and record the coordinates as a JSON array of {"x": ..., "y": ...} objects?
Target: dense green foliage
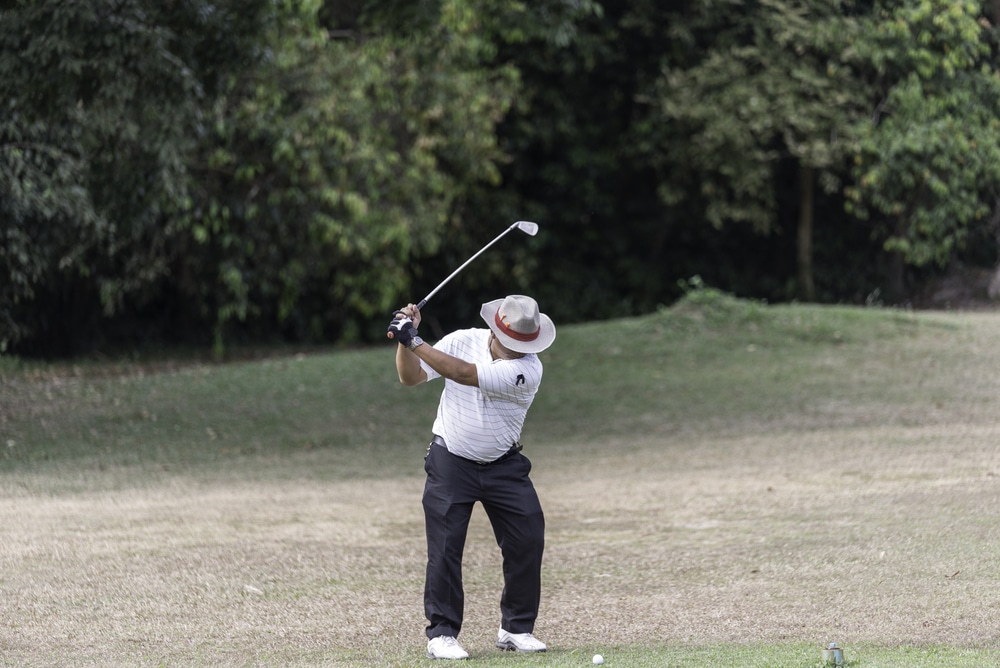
[
  {"x": 206, "y": 171},
  {"x": 104, "y": 107},
  {"x": 928, "y": 164},
  {"x": 331, "y": 168}
]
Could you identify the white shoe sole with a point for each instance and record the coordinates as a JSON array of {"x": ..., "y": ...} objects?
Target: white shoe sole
[{"x": 508, "y": 646}]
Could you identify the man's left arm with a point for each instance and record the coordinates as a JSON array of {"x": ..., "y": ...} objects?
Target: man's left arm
[
  {"x": 408, "y": 367},
  {"x": 412, "y": 349}
]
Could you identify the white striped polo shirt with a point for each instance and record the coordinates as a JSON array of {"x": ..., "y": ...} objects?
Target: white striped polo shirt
[{"x": 482, "y": 423}]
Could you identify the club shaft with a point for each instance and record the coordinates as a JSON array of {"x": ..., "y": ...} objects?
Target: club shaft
[{"x": 482, "y": 250}]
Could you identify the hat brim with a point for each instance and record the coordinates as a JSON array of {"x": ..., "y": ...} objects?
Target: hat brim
[{"x": 546, "y": 333}]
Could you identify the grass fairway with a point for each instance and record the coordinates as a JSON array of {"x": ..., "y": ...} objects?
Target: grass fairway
[{"x": 725, "y": 484}]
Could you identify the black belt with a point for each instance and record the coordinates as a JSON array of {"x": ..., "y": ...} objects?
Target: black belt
[{"x": 514, "y": 449}]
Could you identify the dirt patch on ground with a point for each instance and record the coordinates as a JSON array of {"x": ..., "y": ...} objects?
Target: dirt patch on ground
[{"x": 961, "y": 290}]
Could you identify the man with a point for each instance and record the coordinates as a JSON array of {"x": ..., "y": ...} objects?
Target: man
[{"x": 491, "y": 376}]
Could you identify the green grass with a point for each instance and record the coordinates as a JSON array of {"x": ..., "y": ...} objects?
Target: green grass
[
  {"x": 711, "y": 361},
  {"x": 202, "y": 414},
  {"x": 748, "y": 655},
  {"x": 712, "y": 381}
]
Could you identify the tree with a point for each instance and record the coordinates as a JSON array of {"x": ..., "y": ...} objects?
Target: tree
[
  {"x": 769, "y": 87},
  {"x": 334, "y": 167},
  {"x": 102, "y": 107},
  {"x": 927, "y": 169},
  {"x": 574, "y": 165}
]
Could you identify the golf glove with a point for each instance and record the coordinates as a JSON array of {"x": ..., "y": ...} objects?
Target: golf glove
[{"x": 402, "y": 330}]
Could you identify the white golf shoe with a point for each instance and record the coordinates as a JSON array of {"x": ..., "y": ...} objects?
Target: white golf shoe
[
  {"x": 445, "y": 647},
  {"x": 520, "y": 642}
]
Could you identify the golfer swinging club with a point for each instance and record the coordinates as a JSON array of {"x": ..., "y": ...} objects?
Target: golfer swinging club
[{"x": 491, "y": 376}]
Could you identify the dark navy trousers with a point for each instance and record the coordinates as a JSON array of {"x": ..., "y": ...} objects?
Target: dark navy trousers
[{"x": 454, "y": 485}]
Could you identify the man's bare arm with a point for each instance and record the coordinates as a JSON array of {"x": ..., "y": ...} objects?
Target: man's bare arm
[
  {"x": 450, "y": 367},
  {"x": 408, "y": 367}
]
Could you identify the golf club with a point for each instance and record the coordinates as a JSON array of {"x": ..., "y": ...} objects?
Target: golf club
[{"x": 529, "y": 228}]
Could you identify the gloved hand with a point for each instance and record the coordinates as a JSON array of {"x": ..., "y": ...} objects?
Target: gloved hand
[{"x": 402, "y": 330}]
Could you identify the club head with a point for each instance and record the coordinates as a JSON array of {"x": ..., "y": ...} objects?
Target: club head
[{"x": 529, "y": 228}]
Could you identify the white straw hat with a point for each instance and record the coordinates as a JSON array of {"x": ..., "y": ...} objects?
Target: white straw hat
[{"x": 518, "y": 325}]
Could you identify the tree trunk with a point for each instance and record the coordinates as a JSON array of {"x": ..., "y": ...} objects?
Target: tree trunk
[
  {"x": 804, "y": 261},
  {"x": 897, "y": 266},
  {"x": 994, "y": 288}
]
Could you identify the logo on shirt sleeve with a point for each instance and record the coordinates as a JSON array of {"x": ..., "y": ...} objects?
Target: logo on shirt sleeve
[{"x": 520, "y": 380}]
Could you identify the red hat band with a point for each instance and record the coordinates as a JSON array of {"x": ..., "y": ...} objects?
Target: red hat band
[{"x": 512, "y": 333}]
